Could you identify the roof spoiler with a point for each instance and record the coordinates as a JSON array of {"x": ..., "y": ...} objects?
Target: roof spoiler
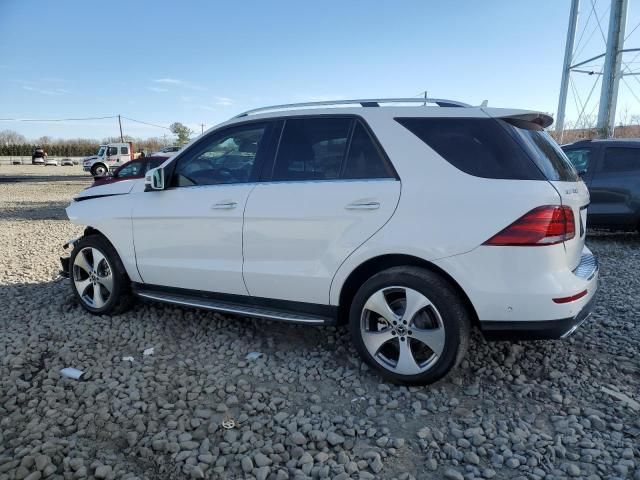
[{"x": 541, "y": 119}]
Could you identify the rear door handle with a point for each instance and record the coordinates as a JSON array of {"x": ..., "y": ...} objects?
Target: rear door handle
[
  {"x": 225, "y": 205},
  {"x": 363, "y": 206}
]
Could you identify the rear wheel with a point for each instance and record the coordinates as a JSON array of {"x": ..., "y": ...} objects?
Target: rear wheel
[
  {"x": 98, "y": 277},
  {"x": 409, "y": 324}
]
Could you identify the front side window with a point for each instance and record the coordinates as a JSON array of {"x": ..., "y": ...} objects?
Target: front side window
[
  {"x": 112, "y": 151},
  {"x": 312, "y": 149},
  {"x": 131, "y": 169},
  {"x": 154, "y": 163},
  {"x": 222, "y": 158},
  {"x": 621, "y": 159},
  {"x": 579, "y": 158},
  {"x": 124, "y": 150}
]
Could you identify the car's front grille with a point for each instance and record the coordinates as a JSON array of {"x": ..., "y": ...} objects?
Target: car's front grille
[{"x": 587, "y": 267}]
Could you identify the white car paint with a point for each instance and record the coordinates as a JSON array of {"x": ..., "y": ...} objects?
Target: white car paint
[
  {"x": 297, "y": 241},
  {"x": 191, "y": 237},
  {"x": 293, "y": 249}
]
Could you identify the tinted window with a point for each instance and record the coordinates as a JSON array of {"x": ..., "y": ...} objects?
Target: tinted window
[
  {"x": 579, "y": 158},
  {"x": 312, "y": 149},
  {"x": 478, "y": 146},
  {"x": 124, "y": 150},
  {"x": 364, "y": 159},
  {"x": 621, "y": 159},
  {"x": 223, "y": 157},
  {"x": 154, "y": 163},
  {"x": 131, "y": 169},
  {"x": 112, "y": 151},
  {"x": 544, "y": 151}
]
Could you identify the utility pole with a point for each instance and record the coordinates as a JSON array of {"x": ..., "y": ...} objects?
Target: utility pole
[
  {"x": 120, "y": 123},
  {"x": 612, "y": 68},
  {"x": 566, "y": 67}
]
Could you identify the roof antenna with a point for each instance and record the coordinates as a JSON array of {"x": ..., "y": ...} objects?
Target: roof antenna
[
  {"x": 425, "y": 99},
  {"x": 484, "y": 103}
]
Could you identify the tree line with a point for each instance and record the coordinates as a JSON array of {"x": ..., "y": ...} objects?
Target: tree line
[{"x": 14, "y": 144}]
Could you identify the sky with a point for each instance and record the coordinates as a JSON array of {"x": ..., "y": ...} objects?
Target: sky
[{"x": 201, "y": 62}]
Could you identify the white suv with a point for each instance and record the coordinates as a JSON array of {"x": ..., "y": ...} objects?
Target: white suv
[{"x": 410, "y": 223}]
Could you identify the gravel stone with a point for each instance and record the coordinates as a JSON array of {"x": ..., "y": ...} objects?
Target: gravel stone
[{"x": 511, "y": 410}]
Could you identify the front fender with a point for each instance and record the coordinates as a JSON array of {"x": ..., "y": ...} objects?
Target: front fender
[{"x": 107, "y": 209}]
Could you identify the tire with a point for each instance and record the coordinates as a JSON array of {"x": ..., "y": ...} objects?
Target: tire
[
  {"x": 113, "y": 294},
  {"x": 99, "y": 169},
  {"x": 431, "y": 342}
]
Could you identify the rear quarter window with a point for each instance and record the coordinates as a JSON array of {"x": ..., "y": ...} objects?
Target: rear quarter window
[{"x": 481, "y": 147}]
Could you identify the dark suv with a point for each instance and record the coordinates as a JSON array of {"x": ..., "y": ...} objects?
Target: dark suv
[{"x": 611, "y": 170}]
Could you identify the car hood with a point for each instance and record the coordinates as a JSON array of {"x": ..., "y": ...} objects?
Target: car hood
[{"x": 108, "y": 189}]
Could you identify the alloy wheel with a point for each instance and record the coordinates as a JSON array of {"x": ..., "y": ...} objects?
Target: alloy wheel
[
  {"x": 93, "y": 277},
  {"x": 402, "y": 330}
]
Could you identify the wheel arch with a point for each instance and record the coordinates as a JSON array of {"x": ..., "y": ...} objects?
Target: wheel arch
[
  {"x": 374, "y": 265},
  {"x": 95, "y": 165}
]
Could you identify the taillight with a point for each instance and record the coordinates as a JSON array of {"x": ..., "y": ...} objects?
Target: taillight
[{"x": 545, "y": 225}]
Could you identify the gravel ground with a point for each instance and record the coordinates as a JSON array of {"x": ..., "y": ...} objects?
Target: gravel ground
[{"x": 308, "y": 407}]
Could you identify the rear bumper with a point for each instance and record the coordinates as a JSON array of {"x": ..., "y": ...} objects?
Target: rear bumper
[{"x": 536, "y": 330}]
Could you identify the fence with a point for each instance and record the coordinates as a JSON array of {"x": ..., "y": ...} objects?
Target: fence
[{"x": 26, "y": 159}]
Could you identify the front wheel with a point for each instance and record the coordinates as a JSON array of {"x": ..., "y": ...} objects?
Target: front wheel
[
  {"x": 410, "y": 325},
  {"x": 99, "y": 170},
  {"x": 98, "y": 278}
]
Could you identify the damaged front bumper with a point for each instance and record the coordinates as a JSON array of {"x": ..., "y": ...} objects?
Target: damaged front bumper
[{"x": 64, "y": 261}]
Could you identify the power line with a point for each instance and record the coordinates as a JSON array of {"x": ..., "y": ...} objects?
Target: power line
[
  {"x": 55, "y": 119},
  {"x": 146, "y": 123}
]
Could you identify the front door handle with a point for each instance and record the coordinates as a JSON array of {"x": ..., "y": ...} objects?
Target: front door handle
[
  {"x": 363, "y": 206},
  {"x": 225, "y": 205}
]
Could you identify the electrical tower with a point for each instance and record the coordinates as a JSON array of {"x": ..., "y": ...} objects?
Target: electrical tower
[{"x": 610, "y": 73}]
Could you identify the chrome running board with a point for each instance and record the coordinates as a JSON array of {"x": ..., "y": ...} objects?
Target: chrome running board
[{"x": 256, "y": 311}]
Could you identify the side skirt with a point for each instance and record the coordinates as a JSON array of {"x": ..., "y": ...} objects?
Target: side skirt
[{"x": 282, "y": 310}]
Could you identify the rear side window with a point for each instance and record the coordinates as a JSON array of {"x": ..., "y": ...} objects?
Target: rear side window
[
  {"x": 124, "y": 150},
  {"x": 621, "y": 159},
  {"x": 478, "y": 146},
  {"x": 312, "y": 149},
  {"x": 579, "y": 158},
  {"x": 364, "y": 160}
]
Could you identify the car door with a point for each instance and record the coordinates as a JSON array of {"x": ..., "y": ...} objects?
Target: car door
[
  {"x": 330, "y": 189},
  {"x": 615, "y": 187},
  {"x": 190, "y": 234},
  {"x": 113, "y": 158}
]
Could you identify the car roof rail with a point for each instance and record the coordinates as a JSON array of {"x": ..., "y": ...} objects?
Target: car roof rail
[{"x": 367, "y": 102}]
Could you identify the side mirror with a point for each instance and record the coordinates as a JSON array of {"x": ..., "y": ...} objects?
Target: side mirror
[
  {"x": 582, "y": 172},
  {"x": 154, "y": 179}
]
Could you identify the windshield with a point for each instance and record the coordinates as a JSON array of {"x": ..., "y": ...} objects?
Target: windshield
[
  {"x": 544, "y": 151},
  {"x": 101, "y": 151}
]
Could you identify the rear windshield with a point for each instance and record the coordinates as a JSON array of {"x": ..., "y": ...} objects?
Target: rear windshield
[
  {"x": 492, "y": 148},
  {"x": 544, "y": 151}
]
